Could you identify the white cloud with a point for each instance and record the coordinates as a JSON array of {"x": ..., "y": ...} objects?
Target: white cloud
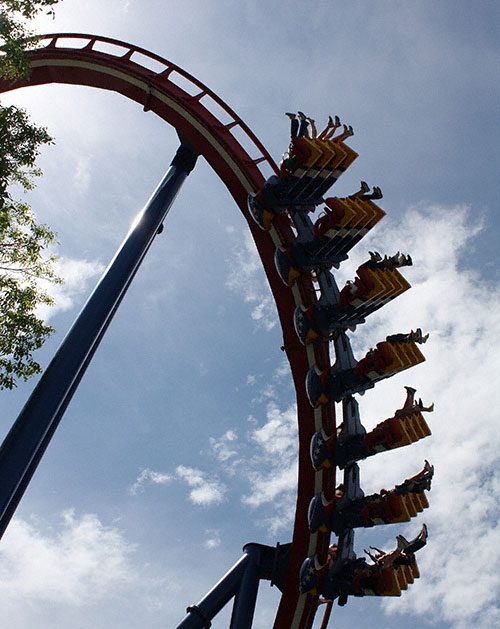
[
  {"x": 282, "y": 373},
  {"x": 266, "y": 488},
  {"x": 82, "y": 174},
  {"x": 148, "y": 476},
  {"x": 204, "y": 491},
  {"x": 459, "y": 576},
  {"x": 247, "y": 279},
  {"x": 77, "y": 275},
  {"x": 223, "y": 448},
  {"x": 278, "y": 437},
  {"x": 272, "y": 471},
  {"x": 213, "y": 539},
  {"x": 84, "y": 561},
  {"x": 80, "y": 572}
]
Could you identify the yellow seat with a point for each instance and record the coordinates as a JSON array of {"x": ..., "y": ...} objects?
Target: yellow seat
[
  {"x": 401, "y": 576},
  {"x": 409, "y": 505},
  {"x": 348, "y": 160},
  {"x": 418, "y": 357},
  {"x": 405, "y": 439},
  {"x": 340, "y": 154},
  {"x": 423, "y": 424},
  {"x": 398, "y": 363},
  {"x": 423, "y": 500},
  {"x": 417, "y": 427},
  {"x": 408, "y": 574},
  {"x": 328, "y": 154},
  {"x": 380, "y": 287},
  {"x": 414, "y": 570},
  {"x": 412, "y": 432},
  {"x": 395, "y": 589}
]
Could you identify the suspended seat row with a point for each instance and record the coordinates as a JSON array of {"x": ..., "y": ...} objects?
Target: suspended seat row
[
  {"x": 399, "y": 504},
  {"x": 352, "y": 443},
  {"x": 397, "y": 353},
  {"x": 341, "y": 576}
]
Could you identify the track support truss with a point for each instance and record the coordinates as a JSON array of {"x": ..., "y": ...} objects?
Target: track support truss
[{"x": 242, "y": 583}]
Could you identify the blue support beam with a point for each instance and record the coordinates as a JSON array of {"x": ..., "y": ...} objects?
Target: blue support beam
[
  {"x": 246, "y": 596},
  {"x": 200, "y": 615},
  {"x": 31, "y": 433},
  {"x": 242, "y": 582}
]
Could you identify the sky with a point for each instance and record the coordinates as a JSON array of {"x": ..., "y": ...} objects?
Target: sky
[{"x": 180, "y": 444}]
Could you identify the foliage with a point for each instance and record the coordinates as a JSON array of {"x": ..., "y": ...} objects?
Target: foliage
[
  {"x": 23, "y": 241},
  {"x": 15, "y": 36}
]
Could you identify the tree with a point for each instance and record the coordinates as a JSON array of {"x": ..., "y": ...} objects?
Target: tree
[
  {"x": 24, "y": 264},
  {"x": 15, "y": 36}
]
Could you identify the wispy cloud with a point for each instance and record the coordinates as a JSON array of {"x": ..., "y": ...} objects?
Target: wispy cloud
[
  {"x": 247, "y": 278},
  {"x": 278, "y": 436},
  {"x": 461, "y": 311},
  {"x": 267, "y": 487},
  {"x": 204, "y": 491},
  {"x": 223, "y": 448},
  {"x": 272, "y": 470},
  {"x": 78, "y": 571},
  {"x": 77, "y": 275},
  {"x": 82, "y": 174},
  {"x": 82, "y": 562},
  {"x": 148, "y": 476},
  {"x": 213, "y": 539}
]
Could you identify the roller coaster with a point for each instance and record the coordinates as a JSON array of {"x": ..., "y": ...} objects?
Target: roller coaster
[{"x": 315, "y": 315}]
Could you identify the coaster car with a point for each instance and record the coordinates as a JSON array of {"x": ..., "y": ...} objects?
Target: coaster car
[
  {"x": 313, "y": 165},
  {"x": 346, "y": 221},
  {"x": 295, "y": 158},
  {"x": 308, "y": 169},
  {"x": 405, "y": 427},
  {"x": 396, "y": 353},
  {"x": 377, "y": 282},
  {"x": 399, "y": 504},
  {"x": 320, "y": 321},
  {"x": 387, "y": 576},
  {"x": 396, "y": 432},
  {"x": 274, "y": 198},
  {"x": 293, "y": 261}
]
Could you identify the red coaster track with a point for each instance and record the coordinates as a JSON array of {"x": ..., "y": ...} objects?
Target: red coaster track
[{"x": 188, "y": 105}]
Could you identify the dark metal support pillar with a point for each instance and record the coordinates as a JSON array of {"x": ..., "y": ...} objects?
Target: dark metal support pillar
[
  {"x": 242, "y": 581},
  {"x": 246, "y": 596},
  {"x": 30, "y": 435},
  {"x": 200, "y": 615}
]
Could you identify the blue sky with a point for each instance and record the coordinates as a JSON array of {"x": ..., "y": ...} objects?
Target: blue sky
[{"x": 180, "y": 444}]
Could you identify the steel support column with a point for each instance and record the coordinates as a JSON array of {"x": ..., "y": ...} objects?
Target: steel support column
[
  {"x": 242, "y": 582},
  {"x": 30, "y": 435},
  {"x": 246, "y": 596},
  {"x": 200, "y": 615}
]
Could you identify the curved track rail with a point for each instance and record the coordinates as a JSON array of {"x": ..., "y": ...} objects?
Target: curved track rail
[{"x": 210, "y": 125}]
